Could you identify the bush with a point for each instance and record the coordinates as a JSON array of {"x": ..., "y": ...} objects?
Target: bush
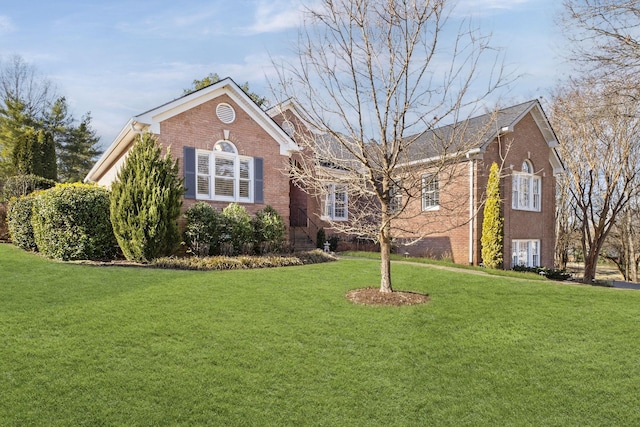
[
  {"x": 242, "y": 262},
  {"x": 19, "y": 222},
  {"x": 321, "y": 238},
  {"x": 71, "y": 222},
  {"x": 4, "y": 226},
  {"x": 146, "y": 201},
  {"x": 269, "y": 230},
  {"x": 238, "y": 230},
  {"x": 333, "y": 242},
  {"x": 21, "y": 185},
  {"x": 203, "y": 230},
  {"x": 549, "y": 273},
  {"x": 493, "y": 222}
]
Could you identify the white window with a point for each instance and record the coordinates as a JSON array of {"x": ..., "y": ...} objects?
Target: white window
[
  {"x": 224, "y": 175},
  {"x": 525, "y": 252},
  {"x": 430, "y": 192},
  {"x": 395, "y": 195},
  {"x": 526, "y": 189},
  {"x": 336, "y": 202}
]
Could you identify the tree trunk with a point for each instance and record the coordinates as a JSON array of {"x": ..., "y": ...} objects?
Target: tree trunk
[
  {"x": 590, "y": 264},
  {"x": 385, "y": 265}
]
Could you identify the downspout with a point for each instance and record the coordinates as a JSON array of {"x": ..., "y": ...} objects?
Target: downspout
[
  {"x": 471, "y": 200},
  {"x": 471, "y": 155}
]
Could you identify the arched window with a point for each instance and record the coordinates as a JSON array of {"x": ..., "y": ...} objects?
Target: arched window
[
  {"x": 526, "y": 189},
  {"x": 222, "y": 174}
]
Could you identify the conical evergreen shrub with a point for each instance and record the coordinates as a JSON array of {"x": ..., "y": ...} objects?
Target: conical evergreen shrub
[
  {"x": 493, "y": 222},
  {"x": 146, "y": 201}
]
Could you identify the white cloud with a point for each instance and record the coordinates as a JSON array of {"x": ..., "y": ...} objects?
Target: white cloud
[
  {"x": 6, "y": 26},
  {"x": 275, "y": 16}
]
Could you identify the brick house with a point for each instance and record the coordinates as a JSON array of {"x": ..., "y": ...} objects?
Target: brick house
[
  {"x": 446, "y": 217},
  {"x": 230, "y": 150},
  {"x": 227, "y": 147}
]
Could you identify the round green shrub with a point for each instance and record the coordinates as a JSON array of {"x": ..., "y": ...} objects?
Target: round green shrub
[
  {"x": 269, "y": 230},
  {"x": 238, "y": 230},
  {"x": 71, "y": 222},
  {"x": 203, "y": 230},
  {"x": 19, "y": 221}
]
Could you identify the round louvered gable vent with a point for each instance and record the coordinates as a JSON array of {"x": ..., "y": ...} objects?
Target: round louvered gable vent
[
  {"x": 287, "y": 126},
  {"x": 225, "y": 113}
]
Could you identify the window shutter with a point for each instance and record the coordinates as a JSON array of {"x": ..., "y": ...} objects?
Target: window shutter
[
  {"x": 258, "y": 180},
  {"x": 189, "y": 166}
]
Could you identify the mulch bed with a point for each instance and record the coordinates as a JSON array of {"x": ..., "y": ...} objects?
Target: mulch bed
[{"x": 373, "y": 296}]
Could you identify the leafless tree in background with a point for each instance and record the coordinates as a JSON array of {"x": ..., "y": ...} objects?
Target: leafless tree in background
[
  {"x": 599, "y": 132},
  {"x": 374, "y": 79}
]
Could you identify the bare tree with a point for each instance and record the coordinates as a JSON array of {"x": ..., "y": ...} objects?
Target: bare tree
[
  {"x": 20, "y": 81},
  {"x": 622, "y": 246},
  {"x": 598, "y": 129},
  {"x": 376, "y": 81}
]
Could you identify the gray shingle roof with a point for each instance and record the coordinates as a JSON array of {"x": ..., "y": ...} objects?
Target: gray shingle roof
[{"x": 465, "y": 135}]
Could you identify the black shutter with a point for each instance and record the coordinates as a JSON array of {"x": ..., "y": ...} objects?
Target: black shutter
[
  {"x": 189, "y": 166},
  {"x": 258, "y": 180}
]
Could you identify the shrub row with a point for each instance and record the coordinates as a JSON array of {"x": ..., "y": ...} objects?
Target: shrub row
[
  {"x": 66, "y": 222},
  {"x": 549, "y": 273},
  {"x": 242, "y": 262},
  {"x": 233, "y": 231}
]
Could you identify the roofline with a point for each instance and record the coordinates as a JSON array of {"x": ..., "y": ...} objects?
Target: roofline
[{"x": 150, "y": 121}]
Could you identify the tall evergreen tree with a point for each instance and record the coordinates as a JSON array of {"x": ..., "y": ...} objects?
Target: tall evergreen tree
[
  {"x": 493, "y": 222},
  {"x": 14, "y": 122},
  {"x": 34, "y": 153},
  {"x": 78, "y": 151},
  {"x": 145, "y": 202}
]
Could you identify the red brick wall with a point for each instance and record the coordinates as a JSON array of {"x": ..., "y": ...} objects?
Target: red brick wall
[
  {"x": 526, "y": 142},
  {"x": 447, "y": 230},
  {"x": 200, "y": 127}
]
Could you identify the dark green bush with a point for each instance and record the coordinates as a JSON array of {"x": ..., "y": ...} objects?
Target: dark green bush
[
  {"x": 203, "y": 230},
  {"x": 21, "y": 185},
  {"x": 549, "y": 273},
  {"x": 269, "y": 231},
  {"x": 71, "y": 222},
  {"x": 321, "y": 238},
  {"x": 146, "y": 201},
  {"x": 333, "y": 243},
  {"x": 238, "y": 230},
  {"x": 19, "y": 221}
]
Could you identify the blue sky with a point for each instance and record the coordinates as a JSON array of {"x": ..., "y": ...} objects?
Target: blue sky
[{"x": 118, "y": 58}]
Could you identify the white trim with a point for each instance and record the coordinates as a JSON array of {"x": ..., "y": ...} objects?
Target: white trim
[
  {"x": 237, "y": 160},
  {"x": 530, "y": 248},
  {"x": 329, "y": 204}
]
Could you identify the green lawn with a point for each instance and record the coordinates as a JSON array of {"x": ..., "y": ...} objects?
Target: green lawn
[{"x": 82, "y": 345}]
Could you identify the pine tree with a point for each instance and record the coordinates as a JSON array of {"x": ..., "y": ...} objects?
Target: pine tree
[
  {"x": 34, "y": 152},
  {"x": 145, "y": 202},
  {"x": 492, "y": 224},
  {"x": 78, "y": 151}
]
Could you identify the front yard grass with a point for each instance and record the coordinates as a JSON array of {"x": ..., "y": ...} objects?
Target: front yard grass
[{"x": 86, "y": 345}]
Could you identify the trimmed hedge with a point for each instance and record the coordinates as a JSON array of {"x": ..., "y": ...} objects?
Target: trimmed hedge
[
  {"x": 71, "y": 222},
  {"x": 19, "y": 221}
]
